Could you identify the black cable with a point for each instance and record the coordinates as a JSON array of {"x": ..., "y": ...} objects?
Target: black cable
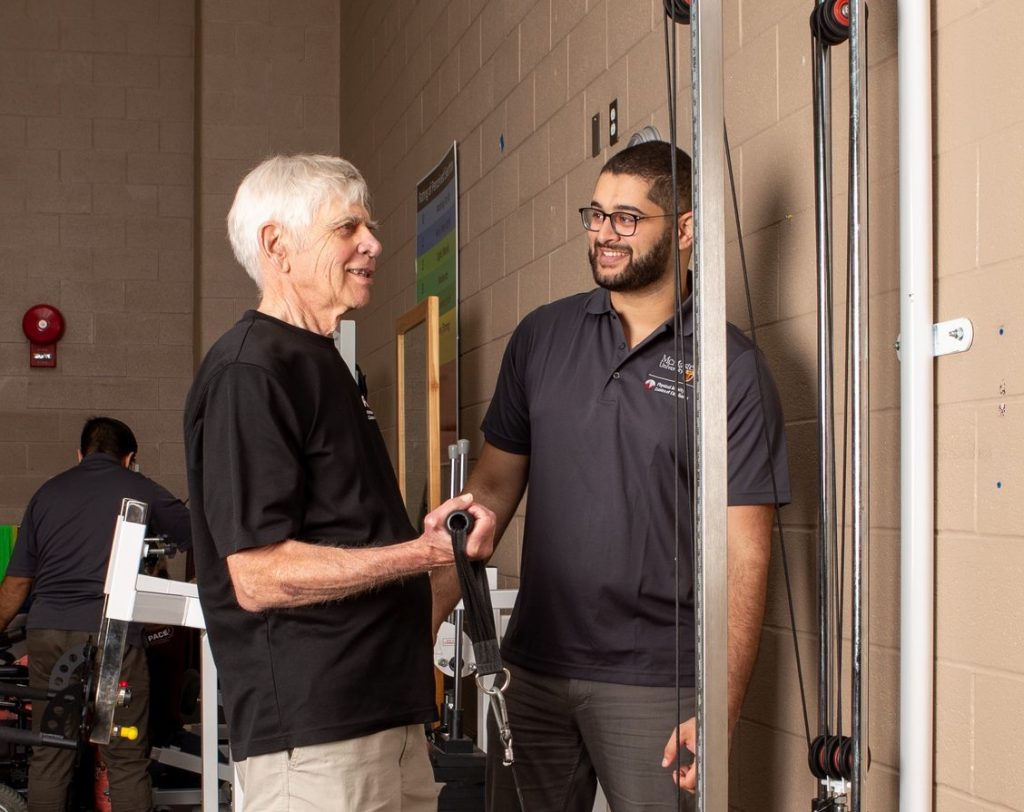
[
  {"x": 832, "y": 679},
  {"x": 841, "y": 551}
]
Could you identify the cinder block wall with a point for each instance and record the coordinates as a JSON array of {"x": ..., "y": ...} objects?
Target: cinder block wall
[
  {"x": 979, "y": 161},
  {"x": 515, "y": 84},
  {"x": 125, "y": 127},
  {"x": 96, "y": 194},
  {"x": 268, "y": 83}
]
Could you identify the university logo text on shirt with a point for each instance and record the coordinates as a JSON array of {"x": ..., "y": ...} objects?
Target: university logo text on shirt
[{"x": 664, "y": 385}]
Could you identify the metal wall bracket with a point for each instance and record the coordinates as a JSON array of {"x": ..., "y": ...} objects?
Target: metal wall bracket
[
  {"x": 953, "y": 336},
  {"x": 948, "y": 337}
]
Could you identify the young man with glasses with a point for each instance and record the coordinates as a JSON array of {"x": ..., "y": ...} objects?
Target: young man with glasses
[{"x": 585, "y": 410}]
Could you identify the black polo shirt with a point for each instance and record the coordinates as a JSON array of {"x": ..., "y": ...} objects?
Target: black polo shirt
[
  {"x": 597, "y": 593},
  {"x": 65, "y": 538}
]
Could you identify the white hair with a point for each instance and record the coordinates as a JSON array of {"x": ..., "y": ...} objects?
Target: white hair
[{"x": 289, "y": 190}]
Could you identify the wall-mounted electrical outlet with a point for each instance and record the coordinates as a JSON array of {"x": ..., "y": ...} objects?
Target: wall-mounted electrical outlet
[{"x": 613, "y": 122}]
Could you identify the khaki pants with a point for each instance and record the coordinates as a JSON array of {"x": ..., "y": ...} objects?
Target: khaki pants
[
  {"x": 384, "y": 772},
  {"x": 50, "y": 768}
]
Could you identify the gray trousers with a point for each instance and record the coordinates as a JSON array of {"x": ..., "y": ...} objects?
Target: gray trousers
[
  {"x": 49, "y": 771},
  {"x": 568, "y": 734}
]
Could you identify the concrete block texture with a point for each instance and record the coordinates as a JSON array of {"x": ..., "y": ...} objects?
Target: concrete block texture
[
  {"x": 273, "y": 79},
  {"x": 94, "y": 86}
]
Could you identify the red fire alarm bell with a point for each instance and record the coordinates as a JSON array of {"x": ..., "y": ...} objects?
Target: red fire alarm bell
[{"x": 43, "y": 326}]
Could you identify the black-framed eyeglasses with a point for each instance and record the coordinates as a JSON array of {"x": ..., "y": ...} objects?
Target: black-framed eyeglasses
[{"x": 623, "y": 222}]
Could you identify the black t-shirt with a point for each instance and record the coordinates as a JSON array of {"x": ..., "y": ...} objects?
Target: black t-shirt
[
  {"x": 281, "y": 445},
  {"x": 65, "y": 538},
  {"x": 597, "y": 590}
]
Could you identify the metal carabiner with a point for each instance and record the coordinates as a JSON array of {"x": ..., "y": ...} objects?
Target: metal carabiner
[{"x": 497, "y": 696}]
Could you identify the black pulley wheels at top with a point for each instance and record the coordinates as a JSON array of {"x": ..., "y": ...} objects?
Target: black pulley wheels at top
[
  {"x": 830, "y": 21},
  {"x": 678, "y": 10}
]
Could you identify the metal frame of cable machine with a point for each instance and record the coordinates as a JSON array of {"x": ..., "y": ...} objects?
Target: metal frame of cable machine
[
  {"x": 710, "y": 408},
  {"x": 860, "y": 366},
  {"x": 711, "y": 564}
]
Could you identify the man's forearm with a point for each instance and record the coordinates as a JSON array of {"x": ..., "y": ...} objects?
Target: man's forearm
[
  {"x": 13, "y": 592},
  {"x": 445, "y": 594},
  {"x": 498, "y": 482},
  {"x": 750, "y": 530},
  {"x": 744, "y": 639},
  {"x": 294, "y": 573}
]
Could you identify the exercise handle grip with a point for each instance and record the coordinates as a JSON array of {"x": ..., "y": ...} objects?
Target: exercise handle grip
[
  {"x": 476, "y": 597},
  {"x": 459, "y": 521}
]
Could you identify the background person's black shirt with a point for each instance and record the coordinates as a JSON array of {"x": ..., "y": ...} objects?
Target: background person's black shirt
[
  {"x": 597, "y": 588},
  {"x": 66, "y": 536},
  {"x": 281, "y": 445}
]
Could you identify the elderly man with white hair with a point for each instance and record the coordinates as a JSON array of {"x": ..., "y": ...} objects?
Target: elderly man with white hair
[{"x": 313, "y": 583}]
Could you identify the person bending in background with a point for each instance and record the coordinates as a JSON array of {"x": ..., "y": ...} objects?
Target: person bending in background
[
  {"x": 61, "y": 558},
  {"x": 585, "y": 410},
  {"x": 312, "y": 580}
]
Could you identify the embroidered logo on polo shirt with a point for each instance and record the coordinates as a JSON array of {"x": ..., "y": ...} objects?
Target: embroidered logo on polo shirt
[
  {"x": 669, "y": 363},
  {"x": 369, "y": 412},
  {"x": 667, "y": 386}
]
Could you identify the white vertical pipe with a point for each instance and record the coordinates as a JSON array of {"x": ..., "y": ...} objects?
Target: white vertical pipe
[{"x": 917, "y": 454}]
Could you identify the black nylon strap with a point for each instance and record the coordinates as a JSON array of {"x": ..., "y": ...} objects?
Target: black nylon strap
[{"x": 476, "y": 597}]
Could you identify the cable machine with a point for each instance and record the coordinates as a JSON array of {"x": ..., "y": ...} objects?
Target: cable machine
[{"x": 838, "y": 755}]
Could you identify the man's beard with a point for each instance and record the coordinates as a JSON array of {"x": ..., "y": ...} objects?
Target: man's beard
[{"x": 640, "y": 272}]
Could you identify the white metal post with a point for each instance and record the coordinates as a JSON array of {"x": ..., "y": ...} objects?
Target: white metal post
[{"x": 917, "y": 403}]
